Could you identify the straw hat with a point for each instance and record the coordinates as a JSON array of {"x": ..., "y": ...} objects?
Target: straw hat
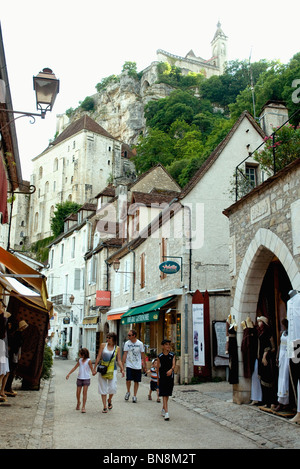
[
  {"x": 23, "y": 325},
  {"x": 263, "y": 319}
]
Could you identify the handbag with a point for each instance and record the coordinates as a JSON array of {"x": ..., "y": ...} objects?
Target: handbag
[{"x": 101, "y": 368}]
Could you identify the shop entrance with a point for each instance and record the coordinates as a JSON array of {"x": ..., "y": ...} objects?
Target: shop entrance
[{"x": 273, "y": 297}]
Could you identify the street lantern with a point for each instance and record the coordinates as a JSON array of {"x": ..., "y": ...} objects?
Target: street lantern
[
  {"x": 46, "y": 87},
  {"x": 116, "y": 265}
]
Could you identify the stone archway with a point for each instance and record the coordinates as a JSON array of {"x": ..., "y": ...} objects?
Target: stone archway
[{"x": 264, "y": 246}]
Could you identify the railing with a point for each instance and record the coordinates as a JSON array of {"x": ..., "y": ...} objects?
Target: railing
[{"x": 238, "y": 171}]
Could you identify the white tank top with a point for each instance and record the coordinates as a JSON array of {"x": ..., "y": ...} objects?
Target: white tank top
[{"x": 84, "y": 369}]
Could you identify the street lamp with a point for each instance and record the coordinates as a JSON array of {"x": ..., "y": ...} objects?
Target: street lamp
[{"x": 46, "y": 87}]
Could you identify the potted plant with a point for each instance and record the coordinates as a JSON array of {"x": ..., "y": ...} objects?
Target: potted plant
[
  {"x": 57, "y": 350},
  {"x": 64, "y": 350}
]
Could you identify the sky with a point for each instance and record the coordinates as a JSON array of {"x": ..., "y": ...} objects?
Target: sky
[{"x": 83, "y": 42}]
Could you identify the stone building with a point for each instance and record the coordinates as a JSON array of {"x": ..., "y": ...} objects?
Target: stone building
[
  {"x": 75, "y": 167},
  {"x": 265, "y": 257},
  {"x": 191, "y": 63}
]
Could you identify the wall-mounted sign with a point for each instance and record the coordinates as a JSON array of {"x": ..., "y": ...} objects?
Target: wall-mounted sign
[
  {"x": 169, "y": 267},
  {"x": 102, "y": 298}
]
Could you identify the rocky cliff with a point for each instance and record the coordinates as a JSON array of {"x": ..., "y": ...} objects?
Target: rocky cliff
[{"x": 119, "y": 108}]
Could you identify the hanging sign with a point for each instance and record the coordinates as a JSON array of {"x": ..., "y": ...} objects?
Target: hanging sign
[
  {"x": 102, "y": 298},
  {"x": 169, "y": 267}
]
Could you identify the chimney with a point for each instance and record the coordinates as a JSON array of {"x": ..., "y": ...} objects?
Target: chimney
[{"x": 273, "y": 115}]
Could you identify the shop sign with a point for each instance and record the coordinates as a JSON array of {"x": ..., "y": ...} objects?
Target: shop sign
[
  {"x": 169, "y": 267},
  {"x": 102, "y": 298},
  {"x": 66, "y": 320},
  {"x": 145, "y": 317}
]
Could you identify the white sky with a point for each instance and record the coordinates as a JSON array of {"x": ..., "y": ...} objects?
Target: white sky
[{"x": 83, "y": 42}]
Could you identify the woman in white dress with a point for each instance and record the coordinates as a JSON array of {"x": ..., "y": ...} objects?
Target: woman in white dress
[{"x": 109, "y": 353}]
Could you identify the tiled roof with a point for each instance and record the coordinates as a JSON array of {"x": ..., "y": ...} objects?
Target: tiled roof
[{"x": 84, "y": 123}]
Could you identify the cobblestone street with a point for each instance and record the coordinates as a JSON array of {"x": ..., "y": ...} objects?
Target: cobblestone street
[{"x": 201, "y": 416}]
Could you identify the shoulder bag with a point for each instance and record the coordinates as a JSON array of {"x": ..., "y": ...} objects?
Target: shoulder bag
[{"x": 101, "y": 368}]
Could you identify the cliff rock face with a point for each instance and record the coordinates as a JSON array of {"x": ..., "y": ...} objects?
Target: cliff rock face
[{"x": 120, "y": 107}]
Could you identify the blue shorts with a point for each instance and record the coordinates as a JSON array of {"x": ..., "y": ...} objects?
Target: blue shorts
[
  {"x": 83, "y": 382},
  {"x": 133, "y": 375}
]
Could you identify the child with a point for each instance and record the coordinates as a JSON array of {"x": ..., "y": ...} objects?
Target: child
[
  {"x": 83, "y": 379},
  {"x": 153, "y": 382},
  {"x": 165, "y": 367}
]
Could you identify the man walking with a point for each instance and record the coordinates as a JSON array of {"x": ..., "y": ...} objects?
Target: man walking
[{"x": 133, "y": 356}]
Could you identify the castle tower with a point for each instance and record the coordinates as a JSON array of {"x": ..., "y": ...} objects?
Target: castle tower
[{"x": 219, "y": 48}]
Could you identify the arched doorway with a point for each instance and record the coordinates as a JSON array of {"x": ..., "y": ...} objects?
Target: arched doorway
[{"x": 267, "y": 273}]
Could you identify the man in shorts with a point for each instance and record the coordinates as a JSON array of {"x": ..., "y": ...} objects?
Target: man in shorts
[{"x": 133, "y": 356}]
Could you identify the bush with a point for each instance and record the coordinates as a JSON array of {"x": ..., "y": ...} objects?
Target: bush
[{"x": 47, "y": 363}]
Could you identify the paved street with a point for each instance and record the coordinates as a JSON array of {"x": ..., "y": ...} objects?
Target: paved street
[{"x": 201, "y": 417}]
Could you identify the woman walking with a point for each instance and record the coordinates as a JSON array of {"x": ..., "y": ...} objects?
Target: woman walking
[{"x": 109, "y": 354}]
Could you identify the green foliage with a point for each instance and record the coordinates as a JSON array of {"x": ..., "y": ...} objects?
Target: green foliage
[
  {"x": 171, "y": 75},
  {"x": 47, "y": 363},
  {"x": 40, "y": 249},
  {"x": 62, "y": 211},
  {"x": 105, "y": 82},
  {"x": 286, "y": 145},
  {"x": 88, "y": 104},
  {"x": 130, "y": 68}
]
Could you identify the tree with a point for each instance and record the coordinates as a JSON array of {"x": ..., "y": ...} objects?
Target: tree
[
  {"x": 156, "y": 147},
  {"x": 62, "y": 211}
]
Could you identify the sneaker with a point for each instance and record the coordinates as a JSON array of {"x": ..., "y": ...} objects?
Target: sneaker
[
  {"x": 166, "y": 416},
  {"x": 134, "y": 399},
  {"x": 163, "y": 412},
  {"x": 127, "y": 396}
]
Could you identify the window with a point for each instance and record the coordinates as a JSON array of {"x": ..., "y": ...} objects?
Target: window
[
  {"x": 51, "y": 258},
  {"x": 117, "y": 283},
  {"x": 55, "y": 165},
  {"x": 36, "y": 221},
  {"x": 251, "y": 173},
  {"x": 62, "y": 254},
  {"x": 143, "y": 281},
  {"x": 73, "y": 248},
  {"x": 77, "y": 279},
  {"x": 92, "y": 273},
  {"x": 127, "y": 276}
]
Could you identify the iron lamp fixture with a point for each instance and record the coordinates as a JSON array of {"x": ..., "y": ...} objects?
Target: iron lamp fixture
[
  {"x": 116, "y": 266},
  {"x": 46, "y": 87}
]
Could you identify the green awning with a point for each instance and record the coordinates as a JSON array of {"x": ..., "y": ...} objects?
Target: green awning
[{"x": 144, "y": 313}]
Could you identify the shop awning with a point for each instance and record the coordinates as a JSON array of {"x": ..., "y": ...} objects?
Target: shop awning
[
  {"x": 144, "y": 313},
  {"x": 114, "y": 317},
  {"x": 22, "y": 270}
]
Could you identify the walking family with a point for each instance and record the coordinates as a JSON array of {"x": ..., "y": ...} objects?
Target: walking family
[{"x": 109, "y": 356}]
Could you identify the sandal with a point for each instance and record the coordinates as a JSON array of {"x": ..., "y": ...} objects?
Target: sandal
[
  {"x": 104, "y": 411},
  {"x": 110, "y": 406},
  {"x": 149, "y": 398},
  {"x": 158, "y": 400}
]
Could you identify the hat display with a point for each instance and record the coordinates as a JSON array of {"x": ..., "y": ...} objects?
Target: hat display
[
  {"x": 23, "y": 324},
  {"x": 263, "y": 319}
]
